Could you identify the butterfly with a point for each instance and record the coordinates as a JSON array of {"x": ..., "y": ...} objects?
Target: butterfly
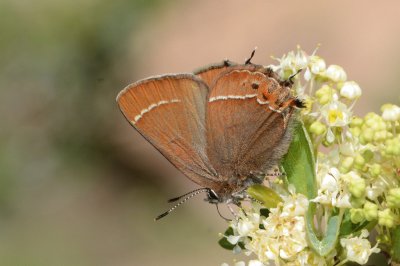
[{"x": 223, "y": 126}]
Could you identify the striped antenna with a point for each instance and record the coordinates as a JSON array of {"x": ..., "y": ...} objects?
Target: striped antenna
[
  {"x": 189, "y": 193},
  {"x": 185, "y": 197}
]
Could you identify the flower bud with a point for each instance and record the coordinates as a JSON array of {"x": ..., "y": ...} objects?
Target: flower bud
[
  {"x": 324, "y": 94},
  {"x": 356, "y": 184},
  {"x": 392, "y": 146},
  {"x": 357, "y": 202},
  {"x": 317, "y": 65},
  {"x": 350, "y": 90},
  {"x": 346, "y": 165},
  {"x": 336, "y": 73},
  {"x": 370, "y": 211},
  {"x": 359, "y": 161},
  {"x": 390, "y": 112},
  {"x": 393, "y": 198},
  {"x": 367, "y": 135},
  {"x": 375, "y": 170},
  {"x": 368, "y": 155},
  {"x": 317, "y": 128},
  {"x": 356, "y": 122},
  {"x": 357, "y": 216},
  {"x": 386, "y": 218}
]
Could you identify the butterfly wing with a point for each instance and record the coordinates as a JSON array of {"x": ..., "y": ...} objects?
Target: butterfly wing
[
  {"x": 169, "y": 111},
  {"x": 209, "y": 73},
  {"x": 253, "y": 137}
]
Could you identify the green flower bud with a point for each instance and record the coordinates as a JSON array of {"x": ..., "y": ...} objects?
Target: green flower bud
[
  {"x": 356, "y": 131},
  {"x": 324, "y": 94},
  {"x": 370, "y": 211},
  {"x": 357, "y": 188},
  {"x": 357, "y": 216},
  {"x": 359, "y": 161},
  {"x": 380, "y": 135},
  {"x": 356, "y": 184},
  {"x": 357, "y": 202},
  {"x": 375, "y": 170},
  {"x": 393, "y": 198},
  {"x": 346, "y": 165},
  {"x": 386, "y": 218},
  {"x": 368, "y": 155},
  {"x": 392, "y": 147},
  {"x": 367, "y": 135},
  {"x": 356, "y": 122},
  {"x": 318, "y": 128}
]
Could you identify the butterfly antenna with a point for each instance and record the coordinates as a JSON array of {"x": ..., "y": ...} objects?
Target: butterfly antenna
[
  {"x": 189, "y": 193},
  {"x": 248, "y": 61},
  {"x": 290, "y": 81},
  {"x": 185, "y": 197}
]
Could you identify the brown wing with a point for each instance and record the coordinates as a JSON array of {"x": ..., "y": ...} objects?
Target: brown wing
[
  {"x": 169, "y": 111},
  {"x": 209, "y": 73},
  {"x": 244, "y": 134}
]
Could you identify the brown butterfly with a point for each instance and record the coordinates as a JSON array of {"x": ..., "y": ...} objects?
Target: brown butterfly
[{"x": 224, "y": 126}]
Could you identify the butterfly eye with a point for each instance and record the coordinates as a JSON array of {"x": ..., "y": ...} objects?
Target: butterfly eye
[{"x": 212, "y": 196}]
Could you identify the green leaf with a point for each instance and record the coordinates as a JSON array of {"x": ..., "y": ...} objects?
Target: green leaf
[
  {"x": 348, "y": 227},
  {"x": 327, "y": 244},
  {"x": 396, "y": 244},
  {"x": 223, "y": 242},
  {"x": 266, "y": 195},
  {"x": 299, "y": 165}
]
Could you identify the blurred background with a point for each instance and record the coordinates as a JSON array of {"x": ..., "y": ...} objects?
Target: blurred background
[{"x": 78, "y": 186}]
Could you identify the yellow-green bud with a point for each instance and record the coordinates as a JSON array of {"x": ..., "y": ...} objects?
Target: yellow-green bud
[
  {"x": 359, "y": 161},
  {"x": 380, "y": 135},
  {"x": 356, "y": 122},
  {"x": 367, "y": 135},
  {"x": 356, "y": 131},
  {"x": 346, "y": 165},
  {"x": 368, "y": 155},
  {"x": 356, "y": 184},
  {"x": 392, "y": 147},
  {"x": 386, "y": 218},
  {"x": 324, "y": 94},
  {"x": 393, "y": 198},
  {"x": 375, "y": 170},
  {"x": 357, "y": 202},
  {"x": 370, "y": 211},
  {"x": 357, "y": 216},
  {"x": 317, "y": 128}
]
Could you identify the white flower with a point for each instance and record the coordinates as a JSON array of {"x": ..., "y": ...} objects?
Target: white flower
[
  {"x": 332, "y": 190},
  {"x": 390, "y": 112},
  {"x": 375, "y": 189},
  {"x": 336, "y": 114},
  {"x": 239, "y": 263},
  {"x": 317, "y": 65},
  {"x": 291, "y": 63},
  {"x": 336, "y": 73},
  {"x": 255, "y": 263},
  {"x": 358, "y": 249},
  {"x": 350, "y": 90},
  {"x": 244, "y": 226},
  {"x": 284, "y": 234}
]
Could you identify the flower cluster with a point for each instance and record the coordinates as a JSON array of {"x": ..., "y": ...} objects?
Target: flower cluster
[
  {"x": 357, "y": 174},
  {"x": 279, "y": 238}
]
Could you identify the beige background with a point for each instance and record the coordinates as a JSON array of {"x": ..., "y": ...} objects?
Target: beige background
[{"x": 78, "y": 185}]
